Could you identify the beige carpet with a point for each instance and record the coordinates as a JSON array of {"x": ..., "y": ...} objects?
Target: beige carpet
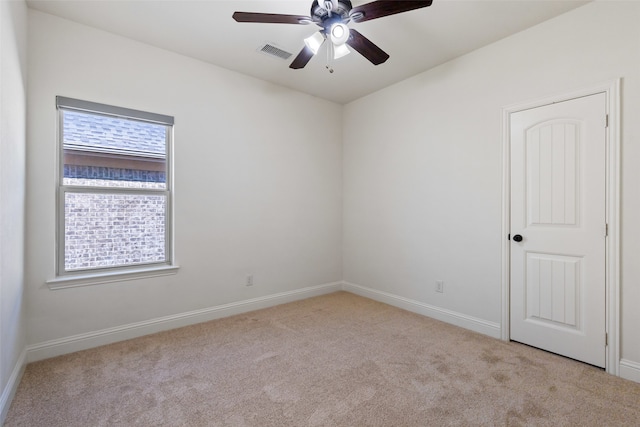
[{"x": 334, "y": 360}]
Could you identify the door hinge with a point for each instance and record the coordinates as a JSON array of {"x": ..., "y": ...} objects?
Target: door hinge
[
  {"x": 606, "y": 121},
  {"x": 606, "y": 339},
  {"x": 606, "y": 230}
]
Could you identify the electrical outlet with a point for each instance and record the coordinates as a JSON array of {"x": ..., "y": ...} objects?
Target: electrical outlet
[
  {"x": 439, "y": 286},
  {"x": 249, "y": 281}
]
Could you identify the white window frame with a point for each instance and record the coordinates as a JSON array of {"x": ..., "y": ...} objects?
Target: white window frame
[{"x": 82, "y": 277}]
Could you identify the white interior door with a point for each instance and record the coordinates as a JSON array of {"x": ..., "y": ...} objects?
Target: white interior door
[{"x": 558, "y": 229}]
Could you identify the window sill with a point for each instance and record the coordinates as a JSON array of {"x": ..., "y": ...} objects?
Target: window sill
[{"x": 88, "y": 279}]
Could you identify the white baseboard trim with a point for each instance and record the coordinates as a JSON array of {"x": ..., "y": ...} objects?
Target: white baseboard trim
[
  {"x": 57, "y": 347},
  {"x": 468, "y": 322},
  {"x": 12, "y": 386},
  {"x": 630, "y": 370}
]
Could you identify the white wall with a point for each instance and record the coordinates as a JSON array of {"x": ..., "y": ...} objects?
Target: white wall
[
  {"x": 422, "y": 162},
  {"x": 13, "y": 78},
  {"x": 258, "y": 184}
]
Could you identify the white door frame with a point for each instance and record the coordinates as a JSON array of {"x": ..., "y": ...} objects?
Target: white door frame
[{"x": 612, "y": 91}]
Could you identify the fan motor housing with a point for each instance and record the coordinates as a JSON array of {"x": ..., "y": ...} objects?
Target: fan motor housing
[{"x": 325, "y": 18}]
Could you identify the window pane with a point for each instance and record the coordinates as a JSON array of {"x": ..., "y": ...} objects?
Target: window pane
[
  {"x": 109, "y": 230},
  {"x": 110, "y": 151}
]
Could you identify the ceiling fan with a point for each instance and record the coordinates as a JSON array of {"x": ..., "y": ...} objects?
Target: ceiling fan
[{"x": 332, "y": 16}]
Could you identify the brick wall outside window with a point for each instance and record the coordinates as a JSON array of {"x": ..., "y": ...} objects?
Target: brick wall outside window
[{"x": 108, "y": 230}]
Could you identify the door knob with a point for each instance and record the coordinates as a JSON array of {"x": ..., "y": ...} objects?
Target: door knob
[{"x": 517, "y": 238}]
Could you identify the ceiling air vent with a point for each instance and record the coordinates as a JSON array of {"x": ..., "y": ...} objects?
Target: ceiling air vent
[{"x": 271, "y": 50}]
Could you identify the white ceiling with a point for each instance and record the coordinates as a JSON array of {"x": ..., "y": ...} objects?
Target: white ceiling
[{"x": 415, "y": 40}]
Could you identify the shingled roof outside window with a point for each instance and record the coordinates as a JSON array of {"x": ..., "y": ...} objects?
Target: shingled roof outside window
[{"x": 91, "y": 132}]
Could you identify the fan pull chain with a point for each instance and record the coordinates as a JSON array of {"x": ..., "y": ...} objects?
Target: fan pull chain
[{"x": 329, "y": 56}]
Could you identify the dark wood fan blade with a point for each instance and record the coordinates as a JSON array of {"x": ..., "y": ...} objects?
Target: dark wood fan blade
[
  {"x": 271, "y": 18},
  {"x": 378, "y": 9},
  {"x": 366, "y": 48},
  {"x": 302, "y": 59}
]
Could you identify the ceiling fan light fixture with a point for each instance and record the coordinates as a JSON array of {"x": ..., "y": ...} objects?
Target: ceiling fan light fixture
[
  {"x": 314, "y": 42},
  {"x": 339, "y": 33},
  {"x": 340, "y": 50},
  {"x": 332, "y": 16}
]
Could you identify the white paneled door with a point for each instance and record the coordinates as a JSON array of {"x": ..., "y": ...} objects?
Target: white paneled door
[{"x": 558, "y": 228}]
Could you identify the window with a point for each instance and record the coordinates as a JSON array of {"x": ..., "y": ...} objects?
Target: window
[{"x": 114, "y": 188}]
